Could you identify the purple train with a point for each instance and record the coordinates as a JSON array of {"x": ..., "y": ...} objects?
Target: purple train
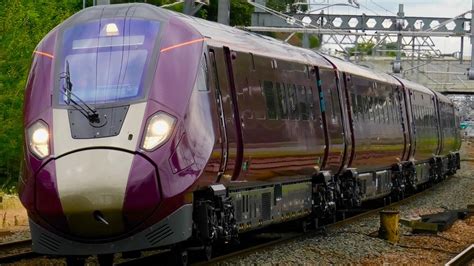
[{"x": 146, "y": 128}]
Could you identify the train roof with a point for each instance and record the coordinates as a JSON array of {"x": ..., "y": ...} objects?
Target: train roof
[
  {"x": 237, "y": 39},
  {"x": 418, "y": 87},
  {"x": 443, "y": 98},
  {"x": 348, "y": 67},
  {"x": 415, "y": 86}
]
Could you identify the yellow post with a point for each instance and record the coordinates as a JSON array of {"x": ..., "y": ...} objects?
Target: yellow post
[{"x": 389, "y": 228}]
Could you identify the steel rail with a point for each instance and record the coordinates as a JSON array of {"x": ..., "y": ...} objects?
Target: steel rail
[
  {"x": 11, "y": 256},
  {"x": 463, "y": 258}
]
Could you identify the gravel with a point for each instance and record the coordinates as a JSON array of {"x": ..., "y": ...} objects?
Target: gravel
[{"x": 354, "y": 243}]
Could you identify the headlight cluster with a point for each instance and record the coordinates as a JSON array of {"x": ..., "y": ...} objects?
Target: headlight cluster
[
  {"x": 158, "y": 130},
  {"x": 38, "y": 138}
]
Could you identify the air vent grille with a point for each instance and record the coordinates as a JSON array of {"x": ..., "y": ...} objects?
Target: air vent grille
[
  {"x": 238, "y": 210},
  {"x": 159, "y": 234},
  {"x": 49, "y": 243},
  {"x": 266, "y": 206}
]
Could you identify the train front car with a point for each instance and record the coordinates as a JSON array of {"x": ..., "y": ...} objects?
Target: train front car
[{"x": 108, "y": 160}]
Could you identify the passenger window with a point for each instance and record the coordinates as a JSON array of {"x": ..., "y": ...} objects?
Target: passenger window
[
  {"x": 310, "y": 101},
  {"x": 371, "y": 108},
  {"x": 258, "y": 98},
  {"x": 364, "y": 107},
  {"x": 302, "y": 102},
  {"x": 269, "y": 99},
  {"x": 359, "y": 107},
  {"x": 253, "y": 62},
  {"x": 292, "y": 101},
  {"x": 203, "y": 75},
  {"x": 282, "y": 101},
  {"x": 382, "y": 114},
  {"x": 334, "y": 104},
  {"x": 389, "y": 110},
  {"x": 383, "y": 111},
  {"x": 378, "y": 111},
  {"x": 354, "y": 105},
  {"x": 397, "y": 108}
]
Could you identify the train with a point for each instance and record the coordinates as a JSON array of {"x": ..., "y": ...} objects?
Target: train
[{"x": 146, "y": 128}]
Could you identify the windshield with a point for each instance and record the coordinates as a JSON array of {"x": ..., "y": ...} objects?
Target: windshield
[{"x": 108, "y": 59}]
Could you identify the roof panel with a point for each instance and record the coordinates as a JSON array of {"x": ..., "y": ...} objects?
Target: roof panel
[
  {"x": 237, "y": 39},
  {"x": 415, "y": 86},
  {"x": 358, "y": 70}
]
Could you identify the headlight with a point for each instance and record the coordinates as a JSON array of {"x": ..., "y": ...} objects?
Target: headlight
[
  {"x": 38, "y": 138},
  {"x": 158, "y": 130}
]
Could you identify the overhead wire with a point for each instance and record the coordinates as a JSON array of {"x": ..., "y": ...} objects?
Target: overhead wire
[
  {"x": 383, "y": 7},
  {"x": 295, "y": 21}
]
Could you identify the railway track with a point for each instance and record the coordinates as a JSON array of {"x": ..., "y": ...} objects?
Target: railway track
[
  {"x": 287, "y": 237},
  {"x": 463, "y": 258},
  {"x": 16, "y": 250},
  {"x": 244, "y": 249},
  {"x": 345, "y": 221}
]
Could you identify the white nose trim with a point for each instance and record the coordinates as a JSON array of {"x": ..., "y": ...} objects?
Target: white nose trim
[{"x": 93, "y": 180}]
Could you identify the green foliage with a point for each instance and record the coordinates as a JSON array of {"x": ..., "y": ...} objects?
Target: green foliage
[
  {"x": 281, "y": 5},
  {"x": 240, "y": 12},
  {"x": 23, "y": 23},
  {"x": 298, "y": 40},
  {"x": 364, "y": 48},
  {"x": 393, "y": 46}
]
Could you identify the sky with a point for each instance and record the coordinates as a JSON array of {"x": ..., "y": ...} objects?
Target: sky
[{"x": 422, "y": 8}]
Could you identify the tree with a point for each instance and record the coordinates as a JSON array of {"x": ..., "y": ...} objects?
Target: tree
[
  {"x": 283, "y": 5},
  {"x": 240, "y": 12},
  {"x": 364, "y": 48},
  {"x": 23, "y": 23},
  {"x": 393, "y": 46}
]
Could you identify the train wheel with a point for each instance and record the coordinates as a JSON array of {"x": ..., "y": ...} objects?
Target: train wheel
[
  {"x": 105, "y": 259},
  {"x": 207, "y": 252},
  {"x": 75, "y": 261},
  {"x": 304, "y": 226},
  {"x": 179, "y": 256}
]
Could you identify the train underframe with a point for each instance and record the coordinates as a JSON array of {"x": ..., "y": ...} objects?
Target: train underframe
[{"x": 222, "y": 213}]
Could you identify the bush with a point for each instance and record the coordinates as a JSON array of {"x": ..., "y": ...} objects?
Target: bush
[{"x": 23, "y": 23}]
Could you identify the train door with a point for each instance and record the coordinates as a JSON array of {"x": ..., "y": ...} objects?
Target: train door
[
  {"x": 438, "y": 124},
  {"x": 231, "y": 128},
  {"x": 332, "y": 119},
  {"x": 346, "y": 83},
  {"x": 405, "y": 120}
]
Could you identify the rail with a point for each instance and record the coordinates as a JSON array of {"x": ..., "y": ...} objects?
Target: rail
[
  {"x": 9, "y": 251},
  {"x": 463, "y": 258}
]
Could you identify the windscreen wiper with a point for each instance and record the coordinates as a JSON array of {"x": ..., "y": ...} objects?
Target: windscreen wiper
[{"x": 72, "y": 99}]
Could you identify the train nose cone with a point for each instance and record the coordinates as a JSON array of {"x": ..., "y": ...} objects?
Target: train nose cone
[{"x": 91, "y": 186}]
